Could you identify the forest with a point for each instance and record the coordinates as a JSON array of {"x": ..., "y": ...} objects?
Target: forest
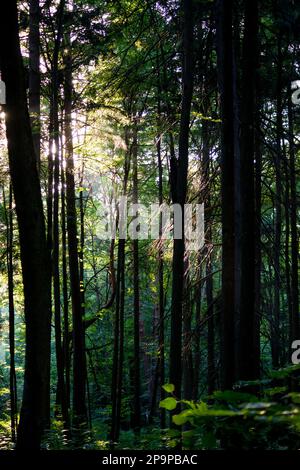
[{"x": 117, "y": 329}]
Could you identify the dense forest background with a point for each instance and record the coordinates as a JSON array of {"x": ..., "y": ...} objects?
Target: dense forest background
[{"x": 144, "y": 343}]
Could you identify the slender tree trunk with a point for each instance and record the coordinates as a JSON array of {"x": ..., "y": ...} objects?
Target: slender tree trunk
[
  {"x": 66, "y": 351},
  {"x": 278, "y": 216},
  {"x": 11, "y": 306},
  {"x": 258, "y": 253},
  {"x": 55, "y": 147},
  {"x": 197, "y": 336},
  {"x": 121, "y": 354},
  {"x": 179, "y": 190},
  {"x": 136, "y": 419},
  {"x": 248, "y": 368},
  {"x": 60, "y": 392},
  {"x": 118, "y": 351},
  {"x": 226, "y": 81},
  {"x": 294, "y": 232},
  {"x": 188, "y": 370},
  {"x": 285, "y": 337},
  {"x": 208, "y": 253},
  {"x": 34, "y": 75},
  {"x": 82, "y": 241},
  {"x": 79, "y": 358},
  {"x": 161, "y": 301}
]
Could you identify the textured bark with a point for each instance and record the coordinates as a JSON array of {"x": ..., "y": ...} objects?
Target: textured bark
[
  {"x": 8, "y": 214},
  {"x": 55, "y": 148},
  {"x": 208, "y": 253},
  {"x": 34, "y": 75},
  {"x": 34, "y": 254},
  {"x": 66, "y": 351},
  {"x": 226, "y": 83},
  {"x": 179, "y": 190},
  {"x": 294, "y": 330},
  {"x": 275, "y": 334},
  {"x": 161, "y": 365},
  {"x": 248, "y": 368},
  {"x": 118, "y": 351},
  {"x": 79, "y": 358},
  {"x": 136, "y": 417}
]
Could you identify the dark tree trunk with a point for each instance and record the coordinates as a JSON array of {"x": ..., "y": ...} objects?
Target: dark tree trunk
[
  {"x": 226, "y": 83},
  {"x": 188, "y": 370},
  {"x": 294, "y": 330},
  {"x": 208, "y": 254},
  {"x": 258, "y": 250},
  {"x": 118, "y": 351},
  {"x": 161, "y": 301},
  {"x": 34, "y": 253},
  {"x": 248, "y": 368},
  {"x": 66, "y": 351},
  {"x": 179, "y": 190},
  {"x": 60, "y": 391},
  {"x": 8, "y": 212},
  {"x": 136, "y": 418},
  {"x": 79, "y": 358},
  {"x": 55, "y": 147},
  {"x": 275, "y": 338},
  {"x": 197, "y": 335},
  {"x": 34, "y": 75}
]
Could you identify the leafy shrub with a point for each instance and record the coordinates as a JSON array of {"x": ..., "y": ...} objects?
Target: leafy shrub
[{"x": 235, "y": 419}]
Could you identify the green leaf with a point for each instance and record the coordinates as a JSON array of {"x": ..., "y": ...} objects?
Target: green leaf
[
  {"x": 180, "y": 419},
  {"x": 168, "y": 403},
  {"x": 168, "y": 388}
]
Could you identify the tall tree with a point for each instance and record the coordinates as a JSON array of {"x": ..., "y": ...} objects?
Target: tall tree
[
  {"x": 136, "y": 419},
  {"x": 226, "y": 83},
  {"x": 79, "y": 357},
  {"x": 8, "y": 213},
  {"x": 248, "y": 368},
  {"x": 179, "y": 190},
  {"x": 34, "y": 75},
  {"x": 34, "y": 252}
]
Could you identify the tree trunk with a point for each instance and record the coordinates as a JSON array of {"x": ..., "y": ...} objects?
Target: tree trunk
[
  {"x": 8, "y": 213},
  {"x": 136, "y": 418},
  {"x": 226, "y": 84},
  {"x": 275, "y": 339},
  {"x": 34, "y": 254},
  {"x": 34, "y": 75},
  {"x": 66, "y": 351},
  {"x": 248, "y": 368},
  {"x": 79, "y": 358},
  {"x": 179, "y": 190},
  {"x": 118, "y": 351},
  {"x": 294, "y": 232}
]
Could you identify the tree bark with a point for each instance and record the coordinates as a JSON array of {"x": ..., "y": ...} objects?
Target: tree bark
[
  {"x": 226, "y": 83},
  {"x": 8, "y": 214},
  {"x": 34, "y": 76},
  {"x": 179, "y": 189},
  {"x": 34, "y": 254},
  {"x": 79, "y": 358},
  {"x": 248, "y": 368},
  {"x": 136, "y": 418}
]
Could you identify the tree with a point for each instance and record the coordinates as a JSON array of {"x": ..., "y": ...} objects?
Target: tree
[
  {"x": 34, "y": 253},
  {"x": 226, "y": 83}
]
